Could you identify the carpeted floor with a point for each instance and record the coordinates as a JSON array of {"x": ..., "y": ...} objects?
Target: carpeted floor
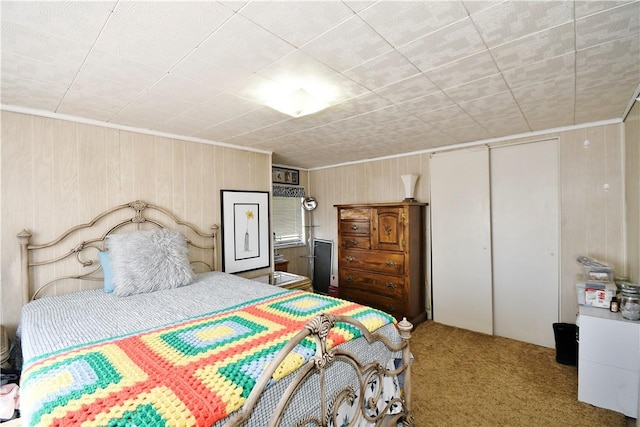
[{"x": 464, "y": 378}]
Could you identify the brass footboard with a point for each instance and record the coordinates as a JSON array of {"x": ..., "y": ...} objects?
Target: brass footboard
[{"x": 318, "y": 328}]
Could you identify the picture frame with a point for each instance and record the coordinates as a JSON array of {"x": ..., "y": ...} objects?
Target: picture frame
[
  {"x": 285, "y": 176},
  {"x": 245, "y": 230}
]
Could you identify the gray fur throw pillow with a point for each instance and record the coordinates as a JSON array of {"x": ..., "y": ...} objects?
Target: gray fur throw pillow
[{"x": 147, "y": 261}]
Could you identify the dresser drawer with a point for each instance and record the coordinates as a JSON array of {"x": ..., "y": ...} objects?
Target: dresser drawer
[
  {"x": 355, "y": 213},
  {"x": 391, "y": 286},
  {"x": 383, "y": 262},
  {"x": 388, "y": 305},
  {"x": 359, "y": 228},
  {"x": 357, "y": 242}
]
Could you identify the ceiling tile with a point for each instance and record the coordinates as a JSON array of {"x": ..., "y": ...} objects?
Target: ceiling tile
[
  {"x": 501, "y": 126},
  {"x": 542, "y": 70},
  {"x": 176, "y": 87},
  {"x": 116, "y": 92},
  {"x": 549, "y": 113},
  {"x": 71, "y": 20},
  {"x": 489, "y": 103},
  {"x": 382, "y": 71},
  {"x": 255, "y": 119},
  {"x": 511, "y": 20},
  {"x": 29, "y": 43},
  {"x": 475, "y": 6},
  {"x": 183, "y": 125},
  {"x": 209, "y": 111},
  {"x": 449, "y": 44},
  {"x": 297, "y": 23},
  {"x": 478, "y": 89},
  {"x": 359, "y": 5},
  {"x": 424, "y": 104},
  {"x": 297, "y": 67},
  {"x": 608, "y": 63},
  {"x": 463, "y": 71},
  {"x": 408, "y": 89},
  {"x": 86, "y": 105},
  {"x": 603, "y": 102},
  {"x": 505, "y": 113},
  {"x": 14, "y": 87},
  {"x": 234, "y": 5},
  {"x": 31, "y": 69},
  {"x": 470, "y": 133},
  {"x": 545, "y": 89},
  {"x": 589, "y": 7},
  {"x": 236, "y": 51},
  {"x": 441, "y": 115},
  {"x": 455, "y": 120},
  {"x": 159, "y": 34},
  {"x": 112, "y": 67},
  {"x": 536, "y": 47},
  {"x": 347, "y": 45},
  {"x": 600, "y": 28},
  {"x": 154, "y": 106},
  {"x": 404, "y": 22}
]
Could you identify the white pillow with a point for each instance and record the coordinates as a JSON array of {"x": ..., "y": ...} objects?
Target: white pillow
[{"x": 147, "y": 261}]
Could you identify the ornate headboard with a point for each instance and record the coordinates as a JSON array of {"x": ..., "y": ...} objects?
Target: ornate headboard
[{"x": 90, "y": 238}]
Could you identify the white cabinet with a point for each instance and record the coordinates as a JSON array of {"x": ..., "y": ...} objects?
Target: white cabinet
[{"x": 608, "y": 361}]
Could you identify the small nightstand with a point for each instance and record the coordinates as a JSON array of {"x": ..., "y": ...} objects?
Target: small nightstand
[
  {"x": 287, "y": 281},
  {"x": 281, "y": 264}
]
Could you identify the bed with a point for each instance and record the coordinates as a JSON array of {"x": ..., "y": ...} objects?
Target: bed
[{"x": 175, "y": 342}]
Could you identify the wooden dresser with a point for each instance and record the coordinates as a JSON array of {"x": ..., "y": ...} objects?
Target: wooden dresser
[{"x": 381, "y": 257}]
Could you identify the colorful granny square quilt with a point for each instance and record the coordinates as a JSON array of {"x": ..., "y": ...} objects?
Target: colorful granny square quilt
[{"x": 189, "y": 374}]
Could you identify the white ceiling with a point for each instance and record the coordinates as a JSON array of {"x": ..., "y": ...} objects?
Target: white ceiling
[{"x": 410, "y": 75}]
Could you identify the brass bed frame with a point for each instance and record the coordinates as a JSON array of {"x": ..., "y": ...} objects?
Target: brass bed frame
[{"x": 206, "y": 256}]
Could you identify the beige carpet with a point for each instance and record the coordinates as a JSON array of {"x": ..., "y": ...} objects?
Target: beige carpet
[{"x": 463, "y": 378}]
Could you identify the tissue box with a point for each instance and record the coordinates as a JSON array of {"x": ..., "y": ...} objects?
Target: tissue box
[{"x": 596, "y": 294}]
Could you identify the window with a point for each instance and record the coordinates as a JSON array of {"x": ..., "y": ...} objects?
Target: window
[{"x": 288, "y": 221}]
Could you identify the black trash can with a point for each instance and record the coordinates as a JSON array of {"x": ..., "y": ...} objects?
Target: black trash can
[{"x": 566, "y": 343}]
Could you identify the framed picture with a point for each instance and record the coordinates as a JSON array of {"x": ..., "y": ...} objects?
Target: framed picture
[
  {"x": 245, "y": 230},
  {"x": 285, "y": 176}
]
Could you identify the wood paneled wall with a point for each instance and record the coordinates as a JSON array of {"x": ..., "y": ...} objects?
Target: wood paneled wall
[
  {"x": 56, "y": 174},
  {"x": 632, "y": 176},
  {"x": 592, "y": 217}
]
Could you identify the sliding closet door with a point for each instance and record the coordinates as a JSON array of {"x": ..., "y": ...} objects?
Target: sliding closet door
[
  {"x": 461, "y": 233},
  {"x": 525, "y": 218}
]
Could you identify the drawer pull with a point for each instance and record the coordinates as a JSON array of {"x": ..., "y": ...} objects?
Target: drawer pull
[
  {"x": 350, "y": 278},
  {"x": 391, "y": 285},
  {"x": 390, "y": 263},
  {"x": 349, "y": 258},
  {"x": 355, "y": 227},
  {"x": 352, "y": 243}
]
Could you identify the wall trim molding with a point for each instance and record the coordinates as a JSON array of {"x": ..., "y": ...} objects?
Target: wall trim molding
[{"x": 52, "y": 115}]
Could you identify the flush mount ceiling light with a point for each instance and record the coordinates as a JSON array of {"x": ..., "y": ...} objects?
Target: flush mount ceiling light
[{"x": 296, "y": 103}]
